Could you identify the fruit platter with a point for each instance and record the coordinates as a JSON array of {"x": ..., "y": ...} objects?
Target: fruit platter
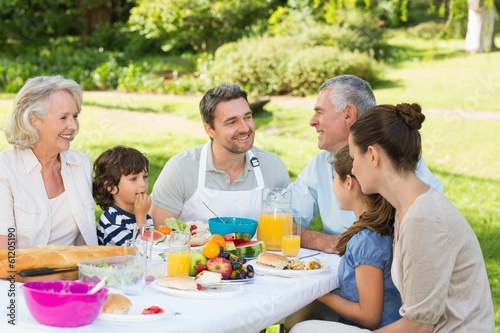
[{"x": 216, "y": 256}]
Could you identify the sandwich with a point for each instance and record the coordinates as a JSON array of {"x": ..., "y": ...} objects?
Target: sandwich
[
  {"x": 179, "y": 282},
  {"x": 272, "y": 260},
  {"x": 207, "y": 278},
  {"x": 116, "y": 303}
]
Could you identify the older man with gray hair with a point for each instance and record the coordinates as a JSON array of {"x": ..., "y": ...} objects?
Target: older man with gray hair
[{"x": 341, "y": 100}]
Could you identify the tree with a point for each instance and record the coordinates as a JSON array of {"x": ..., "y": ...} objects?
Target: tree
[{"x": 203, "y": 24}]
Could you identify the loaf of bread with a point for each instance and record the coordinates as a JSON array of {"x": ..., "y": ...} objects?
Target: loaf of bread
[{"x": 56, "y": 257}]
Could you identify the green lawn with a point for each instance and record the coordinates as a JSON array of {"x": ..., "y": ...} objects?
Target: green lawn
[{"x": 460, "y": 150}]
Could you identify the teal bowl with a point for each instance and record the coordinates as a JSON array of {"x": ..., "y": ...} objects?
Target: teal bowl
[{"x": 233, "y": 224}]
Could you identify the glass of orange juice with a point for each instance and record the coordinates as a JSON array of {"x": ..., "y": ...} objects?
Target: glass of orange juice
[
  {"x": 290, "y": 242},
  {"x": 178, "y": 253}
]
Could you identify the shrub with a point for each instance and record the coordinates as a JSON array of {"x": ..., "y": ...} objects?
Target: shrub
[
  {"x": 136, "y": 78},
  {"x": 283, "y": 65}
]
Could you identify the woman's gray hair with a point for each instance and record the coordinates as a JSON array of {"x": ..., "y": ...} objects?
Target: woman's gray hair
[
  {"x": 34, "y": 98},
  {"x": 350, "y": 89}
]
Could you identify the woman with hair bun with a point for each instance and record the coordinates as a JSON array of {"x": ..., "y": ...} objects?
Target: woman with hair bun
[{"x": 437, "y": 265}]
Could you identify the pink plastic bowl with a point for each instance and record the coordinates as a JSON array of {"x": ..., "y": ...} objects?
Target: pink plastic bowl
[{"x": 63, "y": 303}]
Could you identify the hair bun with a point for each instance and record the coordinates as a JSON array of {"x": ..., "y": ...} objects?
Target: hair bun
[{"x": 411, "y": 114}]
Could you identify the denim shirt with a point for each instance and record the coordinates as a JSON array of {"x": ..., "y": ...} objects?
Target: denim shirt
[{"x": 370, "y": 248}]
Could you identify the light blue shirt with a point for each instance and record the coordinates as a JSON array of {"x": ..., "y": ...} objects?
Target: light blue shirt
[
  {"x": 312, "y": 194},
  {"x": 368, "y": 247}
]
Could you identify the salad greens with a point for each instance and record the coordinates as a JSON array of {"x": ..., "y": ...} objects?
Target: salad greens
[{"x": 175, "y": 224}]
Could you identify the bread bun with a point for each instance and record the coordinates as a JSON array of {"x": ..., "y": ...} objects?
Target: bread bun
[
  {"x": 116, "y": 303},
  {"x": 272, "y": 260},
  {"x": 178, "y": 282}
]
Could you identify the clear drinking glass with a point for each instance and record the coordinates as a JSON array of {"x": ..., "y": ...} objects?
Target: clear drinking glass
[
  {"x": 133, "y": 278},
  {"x": 290, "y": 243},
  {"x": 178, "y": 253}
]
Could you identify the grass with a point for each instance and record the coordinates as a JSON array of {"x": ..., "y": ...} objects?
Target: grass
[
  {"x": 460, "y": 150},
  {"x": 437, "y": 74}
]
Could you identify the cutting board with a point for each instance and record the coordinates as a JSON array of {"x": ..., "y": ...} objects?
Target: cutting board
[{"x": 65, "y": 275}]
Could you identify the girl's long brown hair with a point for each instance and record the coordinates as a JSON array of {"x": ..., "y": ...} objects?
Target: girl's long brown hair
[{"x": 379, "y": 217}]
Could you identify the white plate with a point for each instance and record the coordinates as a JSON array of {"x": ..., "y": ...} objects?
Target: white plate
[
  {"x": 135, "y": 314},
  {"x": 224, "y": 291},
  {"x": 233, "y": 282},
  {"x": 265, "y": 270}
]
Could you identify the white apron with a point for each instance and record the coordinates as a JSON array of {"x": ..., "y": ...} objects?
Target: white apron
[{"x": 223, "y": 203}]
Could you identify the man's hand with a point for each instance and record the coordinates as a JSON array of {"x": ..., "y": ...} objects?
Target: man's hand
[
  {"x": 316, "y": 240},
  {"x": 142, "y": 204}
]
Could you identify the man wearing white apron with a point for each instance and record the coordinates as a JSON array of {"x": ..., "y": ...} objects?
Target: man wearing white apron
[{"x": 227, "y": 173}]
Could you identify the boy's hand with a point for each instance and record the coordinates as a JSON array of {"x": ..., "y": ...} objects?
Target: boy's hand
[{"x": 141, "y": 207}]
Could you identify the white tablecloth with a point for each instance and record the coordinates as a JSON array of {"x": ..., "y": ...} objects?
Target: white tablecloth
[{"x": 261, "y": 304}]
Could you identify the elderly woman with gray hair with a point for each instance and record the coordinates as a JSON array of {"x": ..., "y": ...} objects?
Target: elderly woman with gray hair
[{"x": 45, "y": 188}]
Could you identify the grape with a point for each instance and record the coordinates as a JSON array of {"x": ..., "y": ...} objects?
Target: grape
[
  {"x": 250, "y": 274},
  {"x": 242, "y": 275},
  {"x": 236, "y": 266},
  {"x": 234, "y": 274},
  {"x": 224, "y": 255},
  {"x": 86, "y": 279},
  {"x": 150, "y": 278},
  {"x": 242, "y": 260},
  {"x": 250, "y": 268}
]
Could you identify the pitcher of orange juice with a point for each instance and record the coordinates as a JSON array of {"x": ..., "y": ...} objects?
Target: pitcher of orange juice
[{"x": 276, "y": 203}]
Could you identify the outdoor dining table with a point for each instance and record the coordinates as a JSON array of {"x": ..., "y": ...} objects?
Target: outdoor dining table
[{"x": 260, "y": 304}]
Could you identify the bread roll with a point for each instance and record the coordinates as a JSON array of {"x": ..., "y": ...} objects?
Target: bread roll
[
  {"x": 56, "y": 257},
  {"x": 116, "y": 303},
  {"x": 272, "y": 260}
]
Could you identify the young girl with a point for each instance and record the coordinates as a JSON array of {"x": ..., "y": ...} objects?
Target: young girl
[
  {"x": 438, "y": 265},
  {"x": 120, "y": 188},
  {"x": 367, "y": 295}
]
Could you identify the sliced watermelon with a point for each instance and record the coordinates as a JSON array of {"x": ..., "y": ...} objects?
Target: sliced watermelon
[
  {"x": 248, "y": 249},
  {"x": 158, "y": 237},
  {"x": 238, "y": 236},
  {"x": 230, "y": 246}
]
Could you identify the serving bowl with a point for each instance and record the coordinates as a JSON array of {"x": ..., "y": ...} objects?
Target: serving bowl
[
  {"x": 231, "y": 225},
  {"x": 63, "y": 303},
  {"x": 93, "y": 271}
]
